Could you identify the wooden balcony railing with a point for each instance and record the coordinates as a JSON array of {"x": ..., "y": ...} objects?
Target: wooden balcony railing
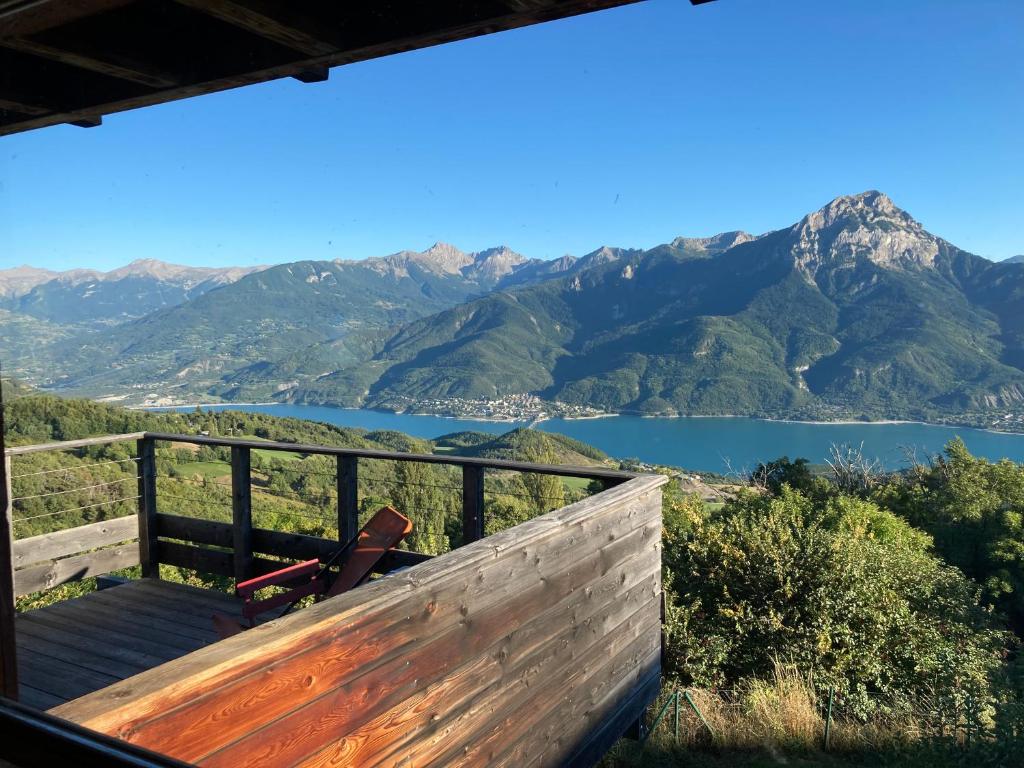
[{"x": 572, "y": 595}]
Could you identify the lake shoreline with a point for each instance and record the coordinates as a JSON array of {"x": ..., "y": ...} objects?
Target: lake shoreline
[
  {"x": 722, "y": 445},
  {"x": 532, "y": 421}
]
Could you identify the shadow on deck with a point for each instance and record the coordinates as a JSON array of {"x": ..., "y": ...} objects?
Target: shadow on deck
[{"x": 76, "y": 647}]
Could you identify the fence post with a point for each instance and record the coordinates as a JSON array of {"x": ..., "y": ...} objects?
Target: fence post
[
  {"x": 828, "y": 716},
  {"x": 675, "y": 697},
  {"x": 8, "y": 644},
  {"x": 472, "y": 503},
  {"x": 149, "y": 555},
  {"x": 693, "y": 705},
  {"x": 241, "y": 511},
  {"x": 348, "y": 497}
]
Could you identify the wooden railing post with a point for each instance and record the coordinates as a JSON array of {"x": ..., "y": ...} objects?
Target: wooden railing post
[
  {"x": 8, "y": 645},
  {"x": 348, "y": 497},
  {"x": 148, "y": 554},
  {"x": 241, "y": 509},
  {"x": 472, "y": 503}
]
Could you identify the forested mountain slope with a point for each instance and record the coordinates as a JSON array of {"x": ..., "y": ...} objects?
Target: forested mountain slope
[{"x": 855, "y": 308}]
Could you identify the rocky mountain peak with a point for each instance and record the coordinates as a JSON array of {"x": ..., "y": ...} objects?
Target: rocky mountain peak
[
  {"x": 723, "y": 241},
  {"x": 18, "y": 281},
  {"x": 446, "y": 257},
  {"x": 868, "y": 226}
]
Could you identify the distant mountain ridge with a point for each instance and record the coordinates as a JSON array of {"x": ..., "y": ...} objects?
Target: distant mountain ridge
[
  {"x": 125, "y": 293},
  {"x": 854, "y": 310}
]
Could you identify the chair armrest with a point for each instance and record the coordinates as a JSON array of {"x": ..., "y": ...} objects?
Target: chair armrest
[{"x": 249, "y": 587}]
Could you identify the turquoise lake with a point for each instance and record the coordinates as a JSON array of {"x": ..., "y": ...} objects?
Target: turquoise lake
[{"x": 704, "y": 444}]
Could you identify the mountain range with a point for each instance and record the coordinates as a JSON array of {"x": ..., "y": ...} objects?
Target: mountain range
[{"x": 855, "y": 310}]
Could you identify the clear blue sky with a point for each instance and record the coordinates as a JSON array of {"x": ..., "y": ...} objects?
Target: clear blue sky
[{"x": 626, "y": 127}]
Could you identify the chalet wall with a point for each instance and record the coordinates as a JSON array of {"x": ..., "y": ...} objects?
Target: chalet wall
[{"x": 536, "y": 646}]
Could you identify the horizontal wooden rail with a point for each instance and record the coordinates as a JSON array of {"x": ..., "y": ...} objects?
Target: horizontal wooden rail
[
  {"x": 68, "y": 445},
  {"x": 36, "y": 578},
  {"x": 210, "y": 533},
  {"x": 607, "y": 476},
  {"x": 72, "y": 541},
  {"x": 611, "y": 476}
]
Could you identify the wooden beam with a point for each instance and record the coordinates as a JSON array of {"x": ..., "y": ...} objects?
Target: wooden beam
[
  {"x": 313, "y": 75},
  {"x": 472, "y": 504},
  {"x": 241, "y": 511},
  {"x": 562, "y": 470},
  {"x": 87, "y": 122},
  {"x": 348, "y": 498},
  {"x": 365, "y": 31},
  {"x": 41, "y": 577},
  {"x": 148, "y": 550},
  {"x": 74, "y": 541},
  {"x": 104, "y": 62},
  {"x": 27, "y": 17},
  {"x": 25, "y": 109},
  {"x": 272, "y": 21},
  {"x": 8, "y": 641},
  {"x": 68, "y": 445}
]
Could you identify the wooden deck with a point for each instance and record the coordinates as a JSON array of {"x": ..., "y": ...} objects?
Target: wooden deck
[{"x": 79, "y": 646}]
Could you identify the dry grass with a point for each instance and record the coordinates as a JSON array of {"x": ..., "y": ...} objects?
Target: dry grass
[{"x": 776, "y": 721}]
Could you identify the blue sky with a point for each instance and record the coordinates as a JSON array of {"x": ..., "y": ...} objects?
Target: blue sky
[{"x": 626, "y": 127}]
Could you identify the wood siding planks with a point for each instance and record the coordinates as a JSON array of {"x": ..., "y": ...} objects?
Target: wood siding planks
[
  {"x": 73, "y": 541},
  {"x": 528, "y": 647}
]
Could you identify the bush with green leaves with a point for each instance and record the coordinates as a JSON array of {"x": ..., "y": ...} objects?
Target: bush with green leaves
[
  {"x": 974, "y": 510},
  {"x": 837, "y": 586}
]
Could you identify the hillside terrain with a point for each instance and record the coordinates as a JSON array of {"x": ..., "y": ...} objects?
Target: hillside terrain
[
  {"x": 892, "y": 599},
  {"x": 855, "y": 311}
]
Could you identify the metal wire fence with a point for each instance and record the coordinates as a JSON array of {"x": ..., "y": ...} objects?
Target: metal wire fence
[{"x": 832, "y": 721}]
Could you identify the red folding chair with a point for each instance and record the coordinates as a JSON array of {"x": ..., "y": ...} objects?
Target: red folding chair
[{"x": 380, "y": 534}]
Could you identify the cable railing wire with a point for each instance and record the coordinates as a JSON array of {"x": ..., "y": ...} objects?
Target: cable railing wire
[
  {"x": 75, "y": 509},
  {"x": 72, "y": 469},
  {"x": 74, "y": 490},
  {"x": 164, "y": 495}
]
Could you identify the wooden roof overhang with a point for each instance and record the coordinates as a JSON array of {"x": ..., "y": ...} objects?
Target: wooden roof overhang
[{"x": 74, "y": 61}]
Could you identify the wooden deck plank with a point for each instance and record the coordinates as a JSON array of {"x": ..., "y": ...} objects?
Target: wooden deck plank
[
  {"x": 46, "y": 647},
  {"x": 69, "y": 649},
  {"x": 29, "y": 626},
  {"x": 104, "y": 636},
  {"x": 190, "y": 600},
  {"x": 33, "y": 697},
  {"x": 153, "y": 616},
  {"x": 59, "y": 678},
  {"x": 114, "y": 625}
]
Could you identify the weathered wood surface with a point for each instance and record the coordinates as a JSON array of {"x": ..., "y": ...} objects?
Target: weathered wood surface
[
  {"x": 74, "y": 648},
  {"x": 241, "y": 512},
  {"x": 601, "y": 473},
  {"x": 146, "y": 469},
  {"x": 297, "y": 546},
  {"x": 72, "y": 541},
  {"x": 68, "y": 445},
  {"x": 348, "y": 497},
  {"x": 472, "y": 504},
  {"x": 530, "y": 647},
  {"x": 36, "y": 578},
  {"x": 115, "y": 60},
  {"x": 8, "y": 650}
]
